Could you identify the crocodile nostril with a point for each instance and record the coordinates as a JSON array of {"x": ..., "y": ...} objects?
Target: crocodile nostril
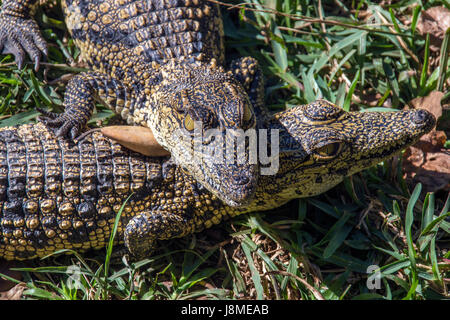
[
  {"x": 241, "y": 180},
  {"x": 421, "y": 116}
]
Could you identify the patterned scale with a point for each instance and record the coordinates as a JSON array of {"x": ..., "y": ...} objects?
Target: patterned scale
[{"x": 117, "y": 36}]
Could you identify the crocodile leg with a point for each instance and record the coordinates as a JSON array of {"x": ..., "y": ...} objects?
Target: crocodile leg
[
  {"x": 79, "y": 98},
  {"x": 19, "y": 33},
  {"x": 248, "y": 72},
  {"x": 144, "y": 229}
]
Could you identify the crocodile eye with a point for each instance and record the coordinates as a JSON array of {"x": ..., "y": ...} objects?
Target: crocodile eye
[
  {"x": 248, "y": 116},
  {"x": 328, "y": 151},
  {"x": 189, "y": 123}
]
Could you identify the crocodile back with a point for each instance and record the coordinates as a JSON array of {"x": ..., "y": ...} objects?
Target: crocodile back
[
  {"x": 56, "y": 194},
  {"x": 59, "y": 194},
  {"x": 120, "y": 37}
]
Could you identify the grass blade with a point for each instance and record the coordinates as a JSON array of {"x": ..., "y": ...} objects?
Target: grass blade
[
  {"x": 247, "y": 248},
  {"x": 409, "y": 219},
  {"x": 112, "y": 237}
]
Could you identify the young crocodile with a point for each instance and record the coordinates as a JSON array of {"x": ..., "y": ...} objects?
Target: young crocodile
[
  {"x": 157, "y": 63},
  {"x": 57, "y": 195}
]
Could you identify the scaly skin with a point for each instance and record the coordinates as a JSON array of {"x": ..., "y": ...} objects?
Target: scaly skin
[
  {"x": 55, "y": 194},
  {"x": 157, "y": 63}
]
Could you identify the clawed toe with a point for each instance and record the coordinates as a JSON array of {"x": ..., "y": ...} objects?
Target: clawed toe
[
  {"x": 20, "y": 37},
  {"x": 61, "y": 125},
  {"x": 13, "y": 47}
]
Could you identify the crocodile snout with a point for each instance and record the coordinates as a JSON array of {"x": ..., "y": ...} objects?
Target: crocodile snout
[{"x": 424, "y": 118}]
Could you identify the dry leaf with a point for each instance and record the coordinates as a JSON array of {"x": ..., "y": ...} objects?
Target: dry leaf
[
  {"x": 135, "y": 138},
  {"x": 427, "y": 161},
  {"x": 14, "y": 293},
  {"x": 435, "y": 21},
  {"x": 431, "y": 103}
]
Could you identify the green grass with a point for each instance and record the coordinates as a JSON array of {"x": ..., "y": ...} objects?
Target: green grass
[{"x": 354, "y": 53}]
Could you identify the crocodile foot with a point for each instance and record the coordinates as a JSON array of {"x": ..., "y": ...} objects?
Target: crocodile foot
[
  {"x": 19, "y": 36},
  {"x": 62, "y": 124}
]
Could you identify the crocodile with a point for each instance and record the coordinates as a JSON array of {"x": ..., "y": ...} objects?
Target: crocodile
[
  {"x": 60, "y": 195},
  {"x": 158, "y": 64}
]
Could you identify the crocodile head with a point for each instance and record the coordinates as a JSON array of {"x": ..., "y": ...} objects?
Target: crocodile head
[
  {"x": 320, "y": 144},
  {"x": 194, "y": 109}
]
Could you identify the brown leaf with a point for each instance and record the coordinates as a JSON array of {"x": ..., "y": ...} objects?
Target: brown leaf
[
  {"x": 427, "y": 161},
  {"x": 14, "y": 293},
  {"x": 431, "y": 103},
  {"x": 136, "y": 138},
  {"x": 435, "y": 21}
]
